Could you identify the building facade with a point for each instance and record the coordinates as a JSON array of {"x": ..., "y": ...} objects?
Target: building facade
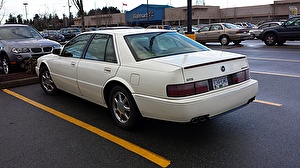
[{"x": 145, "y": 15}]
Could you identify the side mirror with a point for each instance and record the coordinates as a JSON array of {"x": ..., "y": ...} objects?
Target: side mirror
[{"x": 56, "y": 51}]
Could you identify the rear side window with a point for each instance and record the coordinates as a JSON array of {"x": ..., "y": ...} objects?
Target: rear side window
[{"x": 101, "y": 48}]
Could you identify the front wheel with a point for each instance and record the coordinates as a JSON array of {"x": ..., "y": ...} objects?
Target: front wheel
[
  {"x": 46, "y": 81},
  {"x": 5, "y": 65},
  {"x": 270, "y": 39},
  {"x": 123, "y": 108}
]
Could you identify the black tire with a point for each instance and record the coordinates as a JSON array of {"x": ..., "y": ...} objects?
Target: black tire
[
  {"x": 123, "y": 108},
  {"x": 270, "y": 39},
  {"x": 224, "y": 40},
  {"x": 237, "y": 42},
  {"x": 46, "y": 81},
  {"x": 5, "y": 65},
  {"x": 281, "y": 42}
]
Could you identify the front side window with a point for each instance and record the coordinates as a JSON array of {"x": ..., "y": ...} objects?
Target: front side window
[
  {"x": 204, "y": 29},
  {"x": 161, "y": 44},
  {"x": 76, "y": 46}
]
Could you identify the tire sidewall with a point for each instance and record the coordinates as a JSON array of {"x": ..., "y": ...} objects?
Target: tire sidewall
[
  {"x": 267, "y": 39},
  {"x": 44, "y": 70},
  {"x": 134, "y": 112}
]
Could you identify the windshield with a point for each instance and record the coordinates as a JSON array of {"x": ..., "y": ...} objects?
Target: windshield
[
  {"x": 18, "y": 32},
  {"x": 160, "y": 44}
]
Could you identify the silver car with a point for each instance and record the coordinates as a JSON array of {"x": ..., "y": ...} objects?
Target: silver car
[
  {"x": 19, "y": 43},
  {"x": 223, "y": 33}
]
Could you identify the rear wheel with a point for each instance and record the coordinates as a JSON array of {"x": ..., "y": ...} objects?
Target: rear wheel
[
  {"x": 123, "y": 108},
  {"x": 5, "y": 64},
  {"x": 270, "y": 39},
  {"x": 47, "y": 82},
  {"x": 224, "y": 40}
]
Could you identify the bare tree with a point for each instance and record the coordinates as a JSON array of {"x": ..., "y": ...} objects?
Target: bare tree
[
  {"x": 79, "y": 6},
  {"x": 1, "y": 7}
]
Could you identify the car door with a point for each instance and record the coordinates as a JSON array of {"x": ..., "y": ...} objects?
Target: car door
[
  {"x": 290, "y": 30},
  {"x": 214, "y": 33},
  {"x": 65, "y": 67},
  {"x": 97, "y": 67},
  {"x": 201, "y": 35}
]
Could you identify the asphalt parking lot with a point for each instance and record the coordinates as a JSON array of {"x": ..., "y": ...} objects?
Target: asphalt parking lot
[{"x": 38, "y": 130}]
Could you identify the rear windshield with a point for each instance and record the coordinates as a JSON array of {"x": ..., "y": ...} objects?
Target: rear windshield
[
  {"x": 230, "y": 26},
  {"x": 18, "y": 32},
  {"x": 161, "y": 44}
]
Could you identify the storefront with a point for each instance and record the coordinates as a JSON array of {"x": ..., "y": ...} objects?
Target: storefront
[{"x": 145, "y": 15}]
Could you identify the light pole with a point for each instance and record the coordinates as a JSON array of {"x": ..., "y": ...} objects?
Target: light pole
[{"x": 25, "y": 5}]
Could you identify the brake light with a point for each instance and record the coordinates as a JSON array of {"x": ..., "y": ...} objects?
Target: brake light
[
  {"x": 240, "y": 76},
  {"x": 202, "y": 86},
  {"x": 241, "y": 31},
  {"x": 187, "y": 89},
  {"x": 181, "y": 90}
]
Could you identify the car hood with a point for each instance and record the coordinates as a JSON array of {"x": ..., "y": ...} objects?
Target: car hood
[{"x": 31, "y": 42}]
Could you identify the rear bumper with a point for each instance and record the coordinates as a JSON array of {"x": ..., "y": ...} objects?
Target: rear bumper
[{"x": 185, "y": 109}]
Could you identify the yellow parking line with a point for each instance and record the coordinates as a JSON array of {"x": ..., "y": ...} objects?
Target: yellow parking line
[
  {"x": 268, "y": 103},
  {"x": 159, "y": 160}
]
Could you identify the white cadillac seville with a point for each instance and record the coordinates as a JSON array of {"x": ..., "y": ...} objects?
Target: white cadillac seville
[{"x": 157, "y": 74}]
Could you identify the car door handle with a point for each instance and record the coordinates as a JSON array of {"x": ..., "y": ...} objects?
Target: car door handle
[
  {"x": 73, "y": 64},
  {"x": 107, "y": 70}
]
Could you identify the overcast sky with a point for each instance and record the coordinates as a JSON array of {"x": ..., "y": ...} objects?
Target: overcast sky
[{"x": 16, "y": 7}]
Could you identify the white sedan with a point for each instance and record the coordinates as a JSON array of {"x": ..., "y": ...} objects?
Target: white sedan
[{"x": 156, "y": 74}]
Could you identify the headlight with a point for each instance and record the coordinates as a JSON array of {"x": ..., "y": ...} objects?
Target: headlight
[
  {"x": 20, "y": 50},
  {"x": 57, "y": 46}
]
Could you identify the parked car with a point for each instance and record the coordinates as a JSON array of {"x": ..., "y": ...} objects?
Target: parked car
[
  {"x": 289, "y": 30},
  {"x": 53, "y": 35},
  {"x": 183, "y": 30},
  {"x": 254, "y": 33},
  {"x": 70, "y": 32},
  {"x": 156, "y": 74},
  {"x": 246, "y": 25},
  {"x": 223, "y": 33},
  {"x": 19, "y": 43},
  {"x": 167, "y": 27}
]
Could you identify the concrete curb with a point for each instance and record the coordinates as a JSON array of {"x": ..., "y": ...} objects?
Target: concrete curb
[{"x": 19, "y": 82}]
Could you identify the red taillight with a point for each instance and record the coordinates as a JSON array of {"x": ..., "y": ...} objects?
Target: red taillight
[
  {"x": 181, "y": 90},
  {"x": 187, "y": 89},
  {"x": 240, "y": 77},
  {"x": 241, "y": 31},
  {"x": 202, "y": 86}
]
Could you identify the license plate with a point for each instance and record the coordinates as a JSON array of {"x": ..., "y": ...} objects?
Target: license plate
[{"x": 220, "y": 82}]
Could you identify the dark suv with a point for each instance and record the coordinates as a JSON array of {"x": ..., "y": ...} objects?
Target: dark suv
[
  {"x": 289, "y": 30},
  {"x": 19, "y": 43}
]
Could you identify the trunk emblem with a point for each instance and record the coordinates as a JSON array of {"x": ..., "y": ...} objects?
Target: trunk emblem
[{"x": 222, "y": 68}]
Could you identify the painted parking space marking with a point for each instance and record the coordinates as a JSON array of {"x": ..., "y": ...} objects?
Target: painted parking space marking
[
  {"x": 267, "y": 103},
  {"x": 157, "y": 159},
  {"x": 273, "y": 59},
  {"x": 276, "y": 74}
]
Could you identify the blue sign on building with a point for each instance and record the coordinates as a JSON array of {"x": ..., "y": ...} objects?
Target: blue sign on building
[{"x": 146, "y": 14}]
